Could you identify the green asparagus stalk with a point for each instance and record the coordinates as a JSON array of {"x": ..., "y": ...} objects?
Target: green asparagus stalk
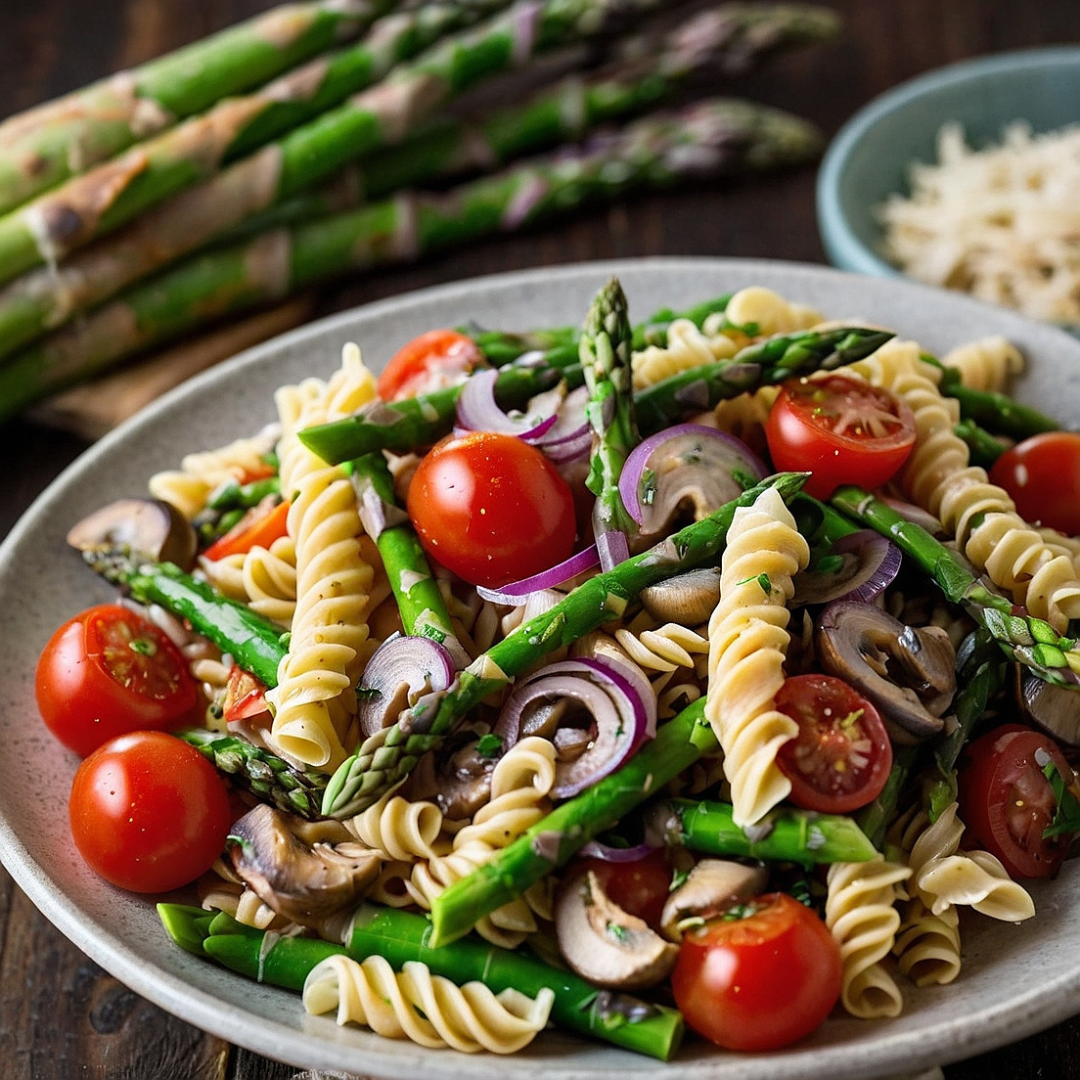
[
  {"x": 998, "y": 413},
  {"x": 1030, "y": 641},
  {"x": 423, "y": 610},
  {"x": 254, "y": 643},
  {"x": 984, "y": 448},
  {"x": 655, "y": 152},
  {"x": 44, "y": 146},
  {"x": 386, "y": 758},
  {"x": 265, "y": 775},
  {"x": 188, "y": 926},
  {"x": 618, "y": 1018},
  {"x": 98, "y": 202},
  {"x": 785, "y": 835},
  {"x": 770, "y": 361},
  {"x": 315, "y": 151},
  {"x": 605, "y": 360}
]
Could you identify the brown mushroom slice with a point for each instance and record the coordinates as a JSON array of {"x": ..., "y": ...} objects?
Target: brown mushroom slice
[
  {"x": 907, "y": 672},
  {"x": 603, "y": 943},
  {"x": 710, "y": 887},
  {"x": 686, "y": 598},
  {"x": 1054, "y": 709},
  {"x": 306, "y": 872},
  {"x": 457, "y": 778},
  {"x": 151, "y": 528}
]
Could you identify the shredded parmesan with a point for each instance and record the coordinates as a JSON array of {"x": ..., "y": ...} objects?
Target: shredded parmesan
[{"x": 1002, "y": 223}]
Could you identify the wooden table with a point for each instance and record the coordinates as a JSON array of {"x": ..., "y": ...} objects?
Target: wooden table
[{"x": 61, "y": 1016}]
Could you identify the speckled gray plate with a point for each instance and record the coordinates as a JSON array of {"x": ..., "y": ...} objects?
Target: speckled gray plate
[{"x": 1015, "y": 980}]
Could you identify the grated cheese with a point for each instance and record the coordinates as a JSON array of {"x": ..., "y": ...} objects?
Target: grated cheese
[{"x": 1001, "y": 223}]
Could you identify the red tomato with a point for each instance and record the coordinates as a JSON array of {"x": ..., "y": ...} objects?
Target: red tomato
[
  {"x": 491, "y": 508},
  {"x": 259, "y": 527},
  {"x": 842, "y": 755},
  {"x": 1042, "y": 475},
  {"x": 245, "y": 697},
  {"x": 1006, "y": 801},
  {"x": 639, "y": 887},
  {"x": 148, "y": 812},
  {"x": 107, "y": 672},
  {"x": 758, "y": 977},
  {"x": 430, "y": 362},
  {"x": 841, "y": 429}
]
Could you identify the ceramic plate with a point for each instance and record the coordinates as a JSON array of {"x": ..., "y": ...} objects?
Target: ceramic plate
[{"x": 1015, "y": 979}]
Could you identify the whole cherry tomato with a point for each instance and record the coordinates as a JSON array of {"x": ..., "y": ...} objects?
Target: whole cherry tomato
[{"x": 1042, "y": 475}]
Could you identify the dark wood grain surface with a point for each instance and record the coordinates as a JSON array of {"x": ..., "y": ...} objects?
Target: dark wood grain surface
[{"x": 61, "y": 1016}]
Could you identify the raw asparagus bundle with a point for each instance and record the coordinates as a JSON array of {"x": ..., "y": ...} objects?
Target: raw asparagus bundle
[
  {"x": 55, "y": 224},
  {"x": 710, "y": 138},
  {"x": 379, "y": 116},
  {"x": 386, "y": 758},
  {"x": 44, "y": 146},
  {"x": 423, "y": 420}
]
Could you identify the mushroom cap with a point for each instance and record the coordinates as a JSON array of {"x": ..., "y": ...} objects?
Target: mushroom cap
[
  {"x": 605, "y": 944},
  {"x": 152, "y": 528},
  {"x": 709, "y": 887},
  {"x": 1054, "y": 709},
  {"x": 909, "y": 673},
  {"x": 305, "y": 871},
  {"x": 686, "y": 598}
]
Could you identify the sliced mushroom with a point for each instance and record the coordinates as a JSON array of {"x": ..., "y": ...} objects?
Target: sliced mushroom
[
  {"x": 686, "y": 598},
  {"x": 457, "y": 778},
  {"x": 907, "y": 672},
  {"x": 151, "y": 528},
  {"x": 304, "y": 871},
  {"x": 605, "y": 944},
  {"x": 709, "y": 887},
  {"x": 1055, "y": 709}
]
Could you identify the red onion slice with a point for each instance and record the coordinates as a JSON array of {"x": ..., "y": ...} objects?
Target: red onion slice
[
  {"x": 401, "y": 670},
  {"x": 619, "y": 716},
  {"x": 595, "y": 850},
  {"x": 477, "y": 410},
  {"x": 869, "y": 563},
  {"x": 916, "y": 515},
  {"x": 614, "y": 548},
  {"x": 684, "y": 462},
  {"x": 517, "y": 592}
]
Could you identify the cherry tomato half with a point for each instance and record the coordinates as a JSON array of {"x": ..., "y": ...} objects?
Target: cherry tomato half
[
  {"x": 842, "y": 755},
  {"x": 245, "y": 697},
  {"x": 109, "y": 671},
  {"x": 840, "y": 428},
  {"x": 148, "y": 812},
  {"x": 491, "y": 508},
  {"x": 640, "y": 887},
  {"x": 762, "y": 975},
  {"x": 259, "y": 527},
  {"x": 1042, "y": 476},
  {"x": 430, "y": 362},
  {"x": 1006, "y": 801}
]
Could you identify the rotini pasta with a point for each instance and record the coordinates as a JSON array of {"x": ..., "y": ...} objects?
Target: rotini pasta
[
  {"x": 747, "y": 640},
  {"x": 927, "y": 946},
  {"x": 687, "y": 347},
  {"x": 987, "y": 363},
  {"x": 427, "y": 1009},
  {"x": 399, "y": 829}
]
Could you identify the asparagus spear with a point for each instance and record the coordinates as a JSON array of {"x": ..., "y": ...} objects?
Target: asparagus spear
[
  {"x": 553, "y": 840},
  {"x": 254, "y": 643},
  {"x": 423, "y": 610},
  {"x": 656, "y": 151},
  {"x": 385, "y": 759},
  {"x": 423, "y": 420},
  {"x": 785, "y": 835},
  {"x": 770, "y": 361},
  {"x": 998, "y": 413},
  {"x": 617, "y": 1018},
  {"x": 44, "y": 146},
  {"x": 381, "y": 115},
  {"x": 98, "y": 202},
  {"x": 262, "y": 773},
  {"x": 605, "y": 360},
  {"x": 984, "y": 448},
  {"x": 1030, "y": 641},
  {"x": 188, "y": 926}
]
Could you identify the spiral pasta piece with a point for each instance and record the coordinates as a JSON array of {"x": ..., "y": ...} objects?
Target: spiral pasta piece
[
  {"x": 747, "y": 642},
  {"x": 687, "y": 347},
  {"x": 427, "y": 1009},
  {"x": 664, "y": 648},
  {"x": 927, "y": 946},
  {"x": 988, "y": 363},
  {"x": 944, "y": 877},
  {"x": 769, "y": 312},
  {"x": 399, "y": 829},
  {"x": 263, "y": 578},
  {"x": 1040, "y": 576},
  {"x": 312, "y": 713},
  {"x": 860, "y": 912}
]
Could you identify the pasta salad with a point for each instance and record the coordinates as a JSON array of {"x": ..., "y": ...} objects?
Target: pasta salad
[{"x": 547, "y": 675}]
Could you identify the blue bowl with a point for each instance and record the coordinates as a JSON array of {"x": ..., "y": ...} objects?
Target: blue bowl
[{"x": 870, "y": 156}]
